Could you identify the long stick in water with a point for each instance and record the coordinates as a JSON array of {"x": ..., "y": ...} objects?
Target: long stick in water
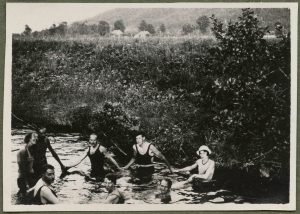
[
  {"x": 28, "y": 125},
  {"x": 149, "y": 165},
  {"x": 124, "y": 153},
  {"x": 119, "y": 149}
]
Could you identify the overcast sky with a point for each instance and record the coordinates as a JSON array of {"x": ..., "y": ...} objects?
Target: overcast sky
[{"x": 40, "y": 16}]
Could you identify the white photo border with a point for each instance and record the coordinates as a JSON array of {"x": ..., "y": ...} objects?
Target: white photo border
[{"x": 8, "y": 207}]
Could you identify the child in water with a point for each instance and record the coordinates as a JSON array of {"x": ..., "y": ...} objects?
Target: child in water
[
  {"x": 114, "y": 196},
  {"x": 165, "y": 191}
]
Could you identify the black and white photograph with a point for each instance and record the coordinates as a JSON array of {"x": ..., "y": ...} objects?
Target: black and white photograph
[{"x": 150, "y": 106}]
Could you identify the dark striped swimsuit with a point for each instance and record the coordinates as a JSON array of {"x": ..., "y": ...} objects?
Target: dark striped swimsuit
[
  {"x": 145, "y": 159},
  {"x": 37, "y": 198},
  {"x": 97, "y": 163}
]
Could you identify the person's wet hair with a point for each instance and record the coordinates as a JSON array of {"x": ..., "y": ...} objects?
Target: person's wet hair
[
  {"x": 28, "y": 137},
  {"x": 46, "y": 167},
  {"x": 112, "y": 178},
  {"x": 140, "y": 133},
  {"x": 94, "y": 134},
  {"x": 169, "y": 182}
]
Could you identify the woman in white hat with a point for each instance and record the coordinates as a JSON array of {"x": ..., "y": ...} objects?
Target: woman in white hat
[{"x": 206, "y": 168}]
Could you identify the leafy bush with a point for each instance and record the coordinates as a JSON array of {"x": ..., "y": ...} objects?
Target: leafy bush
[{"x": 249, "y": 95}]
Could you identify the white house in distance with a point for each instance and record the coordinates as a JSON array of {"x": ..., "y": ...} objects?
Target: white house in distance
[
  {"x": 142, "y": 34},
  {"x": 117, "y": 33}
]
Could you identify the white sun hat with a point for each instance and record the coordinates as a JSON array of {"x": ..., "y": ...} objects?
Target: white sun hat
[{"x": 203, "y": 148}]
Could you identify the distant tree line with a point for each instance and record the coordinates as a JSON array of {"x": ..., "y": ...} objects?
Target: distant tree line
[
  {"x": 82, "y": 28},
  {"x": 103, "y": 28},
  {"x": 202, "y": 23}
]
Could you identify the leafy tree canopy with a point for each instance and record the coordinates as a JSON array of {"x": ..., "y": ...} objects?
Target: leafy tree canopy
[
  {"x": 187, "y": 29},
  {"x": 103, "y": 28},
  {"x": 119, "y": 25},
  {"x": 203, "y": 23},
  {"x": 27, "y": 31},
  {"x": 143, "y": 25},
  {"x": 162, "y": 28}
]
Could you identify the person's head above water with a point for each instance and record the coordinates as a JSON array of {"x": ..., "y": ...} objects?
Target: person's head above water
[
  {"x": 203, "y": 151},
  {"x": 110, "y": 181},
  {"x": 93, "y": 140},
  {"x": 165, "y": 185},
  {"x": 140, "y": 138},
  {"x": 48, "y": 174},
  {"x": 42, "y": 131},
  {"x": 30, "y": 138}
]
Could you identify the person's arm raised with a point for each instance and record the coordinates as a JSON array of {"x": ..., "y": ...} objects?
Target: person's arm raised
[
  {"x": 161, "y": 156},
  {"x": 108, "y": 156},
  {"x": 188, "y": 168},
  {"x": 78, "y": 162},
  {"x": 132, "y": 159}
]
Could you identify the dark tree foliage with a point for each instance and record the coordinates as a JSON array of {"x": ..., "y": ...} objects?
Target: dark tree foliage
[
  {"x": 103, "y": 28},
  {"x": 162, "y": 28},
  {"x": 203, "y": 23},
  {"x": 27, "y": 31},
  {"x": 249, "y": 95},
  {"x": 119, "y": 25},
  {"x": 187, "y": 29},
  {"x": 150, "y": 29},
  {"x": 143, "y": 25},
  {"x": 52, "y": 30},
  {"x": 62, "y": 28},
  {"x": 278, "y": 30},
  {"x": 81, "y": 28}
]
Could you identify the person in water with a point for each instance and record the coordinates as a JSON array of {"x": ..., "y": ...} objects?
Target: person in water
[
  {"x": 43, "y": 192},
  {"x": 25, "y": 163},
  {"x": 143, "y": 156},
  {"x": 165, "y": 191},
  {"x": 114, "y": 196},
  {"x": 206, "y": 168},
  {"x": 39, "y": 154},
  {"x": 97, "y": 154}
]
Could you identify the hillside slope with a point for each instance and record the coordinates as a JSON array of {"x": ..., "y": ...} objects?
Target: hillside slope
[{"x": 174, "y": 18}]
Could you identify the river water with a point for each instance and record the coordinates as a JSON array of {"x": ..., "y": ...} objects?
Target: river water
[{"x": 74, "y": 189}]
